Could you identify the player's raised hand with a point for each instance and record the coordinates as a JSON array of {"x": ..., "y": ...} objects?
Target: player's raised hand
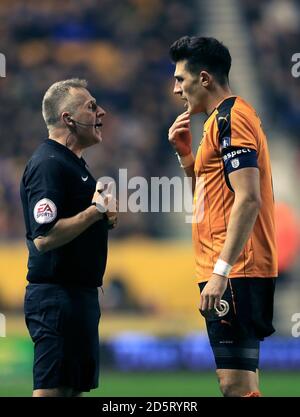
[
  {"x": 106, "y": 202},
  {"x": 180, "y": 135}
]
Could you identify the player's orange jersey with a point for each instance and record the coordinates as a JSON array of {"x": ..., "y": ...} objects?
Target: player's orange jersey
[{"x": 232, "y": 132}]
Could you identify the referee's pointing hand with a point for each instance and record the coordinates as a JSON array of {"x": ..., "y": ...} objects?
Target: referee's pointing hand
[{"x": 106, "y": 202}]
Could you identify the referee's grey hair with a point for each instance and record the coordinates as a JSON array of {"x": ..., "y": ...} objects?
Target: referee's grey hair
[{"x": 58, "y": 99}]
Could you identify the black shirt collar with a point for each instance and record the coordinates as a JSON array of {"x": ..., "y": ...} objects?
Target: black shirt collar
[
  {"x": 219, "y": 105},
  {"x": 66, "y": 151}
]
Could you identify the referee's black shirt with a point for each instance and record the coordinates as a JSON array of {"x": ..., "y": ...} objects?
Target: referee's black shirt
[{"x": 56, "y": 184}]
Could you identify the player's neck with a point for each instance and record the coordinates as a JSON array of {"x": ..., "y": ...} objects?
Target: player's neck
[{"x": 216, "y": 98}]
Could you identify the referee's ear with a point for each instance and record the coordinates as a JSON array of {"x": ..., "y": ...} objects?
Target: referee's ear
[{"x": 68, "y": 120}]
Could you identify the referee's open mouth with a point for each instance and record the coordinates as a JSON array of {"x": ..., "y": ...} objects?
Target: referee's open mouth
[{"x": 98, "y": 126}]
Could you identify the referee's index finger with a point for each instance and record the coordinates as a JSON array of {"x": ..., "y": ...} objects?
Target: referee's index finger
[
  {"x": 99, "y": 186},
  {"x": 110, "y": 187}
]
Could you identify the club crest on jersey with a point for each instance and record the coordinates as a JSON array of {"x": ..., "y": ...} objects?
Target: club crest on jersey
[
  {"x": 44, "y": 211},
  {"x": 235, "y": 163}
]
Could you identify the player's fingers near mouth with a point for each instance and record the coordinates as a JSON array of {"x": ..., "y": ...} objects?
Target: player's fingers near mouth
[
  {"x": 178, "y": 120},
  {"x": 170, "y": 133},
  {"x": 182, "y": 116},
  {"x": 182, "y": 130},
  {"x": 178, "y": 124},
  {"x": 183, "y": 123},
  {"x": 173, "y": 127},
  {"x": 183, "y": 119}
]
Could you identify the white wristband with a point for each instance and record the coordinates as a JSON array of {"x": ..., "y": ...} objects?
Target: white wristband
[
  {"x": 222, "y": 268},
  {"x": 186, "y": 161}
]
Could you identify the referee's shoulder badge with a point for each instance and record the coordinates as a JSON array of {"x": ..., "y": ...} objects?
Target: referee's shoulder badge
[{"x": 44, "y": 211}]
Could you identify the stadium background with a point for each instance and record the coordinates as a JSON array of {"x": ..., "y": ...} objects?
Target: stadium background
[{"x": 153, "y": 340}]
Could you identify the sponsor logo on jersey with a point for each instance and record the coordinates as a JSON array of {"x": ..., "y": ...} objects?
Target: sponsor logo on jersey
[
  {"x": 44, "y": 211},
  {"x": 235, "y": 153}
]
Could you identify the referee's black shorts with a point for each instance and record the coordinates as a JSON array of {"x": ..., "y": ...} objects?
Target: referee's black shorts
[
  {"x": 63, "y": 324},
  {"x": 235, "y": 337}
]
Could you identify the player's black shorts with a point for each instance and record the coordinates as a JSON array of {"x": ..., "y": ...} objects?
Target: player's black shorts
[
  {"x": 63, "y": 324},
  {"x": 235, "y": 337}
]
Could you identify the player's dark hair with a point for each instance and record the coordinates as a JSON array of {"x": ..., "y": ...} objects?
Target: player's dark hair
[{"x": 203, "y": 53}]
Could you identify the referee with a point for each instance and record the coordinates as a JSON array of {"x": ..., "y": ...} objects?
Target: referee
[{"x": 67, "y": 218}]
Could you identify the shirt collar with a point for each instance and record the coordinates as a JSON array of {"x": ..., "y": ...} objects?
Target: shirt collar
[
  {"x": 66, "y": 151},
  {"x": 217, "y": 106}
]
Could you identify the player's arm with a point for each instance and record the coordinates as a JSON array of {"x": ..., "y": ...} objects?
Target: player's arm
[
  {"x": 247, "y": 201},
  {"x": 246, "y": 185},
  {"x": 181, "y": 139}
]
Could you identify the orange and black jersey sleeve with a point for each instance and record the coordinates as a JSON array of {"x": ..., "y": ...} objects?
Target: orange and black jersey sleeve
[{"x": 237, "y": 140}]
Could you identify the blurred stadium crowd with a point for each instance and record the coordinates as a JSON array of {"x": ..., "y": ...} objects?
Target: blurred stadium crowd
[
  {"x": 121, "y": 48},
  {"x": 275, "y": 34}
]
